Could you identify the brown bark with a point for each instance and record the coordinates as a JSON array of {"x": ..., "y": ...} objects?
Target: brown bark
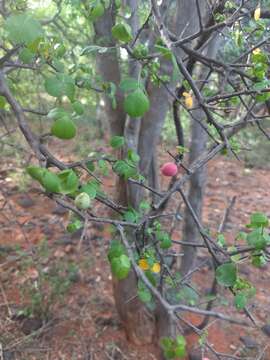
[
  {"x": 196, "y": 191},
  {"x": 137, "y": 320},
  {"x": 142, "y": 327},
  {"x": 197, "y": 182},
  {"x": 109, "y": 68}
]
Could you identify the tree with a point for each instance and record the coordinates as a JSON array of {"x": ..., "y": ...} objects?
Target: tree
[{"x": 156, "y": 56}]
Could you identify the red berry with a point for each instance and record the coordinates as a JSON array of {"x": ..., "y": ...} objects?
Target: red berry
[{"x": 169, "y": 169}]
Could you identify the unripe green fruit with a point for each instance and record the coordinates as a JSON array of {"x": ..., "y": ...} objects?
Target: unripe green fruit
[
  {"x": 136, "y": 104},
  {"x": 82, "y": 201},
  {"x": 96, "y": 11},
  {"x": 64, "y": 128}
]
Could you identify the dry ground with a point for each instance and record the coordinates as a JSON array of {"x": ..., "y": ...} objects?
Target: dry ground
[{"x": 85, "y": 325}]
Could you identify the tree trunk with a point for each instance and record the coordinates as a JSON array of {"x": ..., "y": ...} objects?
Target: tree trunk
[
  {"x": 197, "y": 181},
  {"x": 138, "y": 321},
  {"x": 195, "y": 196},
  {"x": 142, "y": 135}
]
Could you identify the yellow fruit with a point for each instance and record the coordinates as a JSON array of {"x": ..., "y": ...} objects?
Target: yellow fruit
[
  {"x": 143, "y": 264},
  {"x": 156, "y": 268},
  {"x": 256, "y": 51},
  {"x": 257, "y": 14},
  {"x": 188, "y": 100}
]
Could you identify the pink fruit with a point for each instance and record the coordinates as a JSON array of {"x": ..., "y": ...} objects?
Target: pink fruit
[{"x": 169, "y": 169}]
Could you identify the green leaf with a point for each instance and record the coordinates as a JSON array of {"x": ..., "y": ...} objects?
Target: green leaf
[
  {"x": 181, "y": 341},
  {"x": 23, "y": 28},
  {"x": 258, "y": 238},
  {"x": 140, "y": 51},
  {"x": 203, "y": 338},
  {"x": 64, "y": 128},
  {"x": 78, "y": 107},
  {"x": 180, "y": 348},
  {"x": 262, "y": 97},
  {"x": 74, "y": 226},
  {"x": 173, "y": 348},
  {"x": 69, "y": 181},
  {"x": 117, "y": 142},
  {"x": 117, "y": 3},
  {"x": 57, "y": 113},
  {"x": 221, "y": 240},
  {"x": 144, "y": 293},
  {"x": 133, "y": 156},
  {"x": 102, "y": 164},
  {"x": 122, "y": 32},
  {"x": 2, "y": 102},
  {"x": 26, "y": 56},
  {"x": 226, "y": 274},
  {"x": 165, "y": 239},
  {"x": 131, "y": 215},
  {"x": 60, "y": 50},
  {"x": 166, "y": 342},
  {"x": 148, "y": 273},
  {"x": 93, "y": 49},
  {"x": 136, "y": 104},
  {"x": 129, "y": 84},
  {"x": 258, "y": 260},
  {"x": 60, "y": 85},
  {"x": 116, "y": 250},
  {"x": 58, "y": 65},
  {"x": 241, "y": 284},
  {"x": 240, "y": 301},
  {"x": 51, "y": 182},
  {"x": 36, "y": 172},
  {"x": 144, "y": 206},
  {"x": 34, "y": 46},
  {"x": 120, "y": 266},
  {"x": 122, "y": 168},
  {"x": 258, "y": 220},
  {"x": 169, "y": 353},
  {"x": 259, "y": 58},
  {"x": 164, "y": 51},
  {"x": 188, "y": 295},
  {"x": 234, "y": 258},
  {"x": 90, "y": 165},
  {"x": 182, "y": 150},
  {"x": 241, "y": 236},
  {"x": 91, "y": 189}
]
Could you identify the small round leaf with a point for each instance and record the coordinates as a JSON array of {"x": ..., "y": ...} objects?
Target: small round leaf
[
  {"x": 120, "y": 266},
  {"x": 226, "y": 274},
  {"x": 122, "y": 32}
]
